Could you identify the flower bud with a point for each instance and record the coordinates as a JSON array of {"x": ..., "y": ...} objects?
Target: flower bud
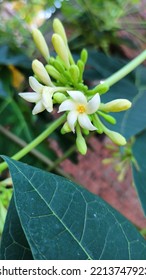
[
  {"x": 55, "y": 74},
  {"x": 80, "y": 65},
  {"x": 85, "y": 131},
  {"x": 41, "y": 43},
  {"x": 101, "y": 88},
  {"x": 61, "y": 49},
  {"x": 97, "y": 123},
  {"x": 58, "y": 65},
  {"x": 116, "y": 137},
  {"x": 59, "y": 29},
  {"x": 116, "y": 105},
  {"x": 59, "y": 97},
  {"x": 108, "y": 118},
  {"x": 41, "y": 72},
  {"x": 81, "y": 144},
  {"x": 74, "y": 72},
  {"x": 65, "y": 129},
  {"x": 84, "y": 56}
]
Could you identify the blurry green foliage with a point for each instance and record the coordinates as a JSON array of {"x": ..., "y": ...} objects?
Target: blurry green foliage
[{"x": 96, "y": 23}]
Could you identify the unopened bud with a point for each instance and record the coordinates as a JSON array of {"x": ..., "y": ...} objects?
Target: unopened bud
[
  {"x": 101, "y": 88},
  {"x": 116, "y": 137},
  {"x": 108, "y": 118},
  {"x": 51, "y": 60},
  {"x": 84, "y": 56},
  {"x": 65, "y": 129},
  {"x": 80, "y": 65},
  {"x": 97, "y": 123},
  {"x": 54, "y": 73},
  {"x": 116, "y": 105},
  {"x": 59, "y": 97},
  {"x": 74, "y": 72},
  {"x": 61, "y": 49},
  {"x": 81, "y": 144},
  {"x": 85, "y": 131},
  {"x": 41, "y": 73},
  {"x": 81, "y": 87},
  {"x": 58, "y": 65},
  {"x": 41, "y": 43},
  {"x": 59, "y": 29}
]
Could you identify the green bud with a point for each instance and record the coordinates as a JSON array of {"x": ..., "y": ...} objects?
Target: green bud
[
  {"x": 40, "y": 71},
  {"x": 81, "y": 144},
  {"x": 108, "y": 118},
  {"x": 116, "y": 105},
  {"x": 97, "y": 123},
  {"x": 65, "y": 129},
  {"x": 101, "y": 89},
  {"x": 81, "y": 87},
  {"x": 84, "y": 56},
  {"x": 54, "y": 73},
  {"x": 85, "y": 131},
  {"x": 58, "y": 65},
  {"x": 80, "y": 65},
  {"x": 116, "y": 137},
  {"x": 41, "y": 43},
  {"x": 61, "y": 49},
  {"x": 59, "y": 97},
  {"x": 59, "y": 29},
  {"x": 74, "y": 72},
  {"x": 51, "y": 60}
]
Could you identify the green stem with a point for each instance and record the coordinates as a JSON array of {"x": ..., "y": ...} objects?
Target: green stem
[
  {"x": 34, "y": 152},
  {"x": 36, "y": 141},
  {"x": 126, "y": 69}
]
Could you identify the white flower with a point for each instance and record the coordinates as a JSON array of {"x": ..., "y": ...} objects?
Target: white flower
[
  {"x": 79, "y": 109},
  {"x": 42, "y": 96}
]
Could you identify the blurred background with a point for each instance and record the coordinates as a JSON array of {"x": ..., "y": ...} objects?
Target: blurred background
[{"x": 113, "y": 32}]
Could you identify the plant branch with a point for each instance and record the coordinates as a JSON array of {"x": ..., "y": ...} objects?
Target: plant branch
[
  {"x": 34, "y": 152},
  {"x": 36, "y": 141},
  {"x": 126, "y": 69}
]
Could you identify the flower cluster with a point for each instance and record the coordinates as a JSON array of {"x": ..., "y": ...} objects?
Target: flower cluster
[{"x": 60, "y": 81}]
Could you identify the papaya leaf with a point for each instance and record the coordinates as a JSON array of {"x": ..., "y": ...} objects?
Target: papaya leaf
[
  {"x": 63, "y": 221},
  {"x": 14, "y": 244},
  {"x": 139, "y": 167}
]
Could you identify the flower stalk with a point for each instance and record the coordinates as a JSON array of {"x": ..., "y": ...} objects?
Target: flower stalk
[{"x": 124, "y": 71}]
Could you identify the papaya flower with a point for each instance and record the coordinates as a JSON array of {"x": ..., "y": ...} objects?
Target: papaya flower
[
  {"x": 80, "y": 109},
  {"x": 42, "y": 96}
]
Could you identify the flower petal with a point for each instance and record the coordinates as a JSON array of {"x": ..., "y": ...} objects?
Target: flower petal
[
  {"x": 67, "y": 105},
  {"x": 35, "y": 85},
  {"x": 31, "y": 96},
  {"x": 85, "y": 122},
  {"x": 38, "y": 108},
  {"x": 77, "y": 96},
  {"x": 71, "y": 119},
  {"x": 47, "y": 100},
  {"x": 93, "y": 104}
]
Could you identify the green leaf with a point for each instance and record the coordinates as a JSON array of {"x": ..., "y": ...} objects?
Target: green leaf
[
  {"x": 62, "y": 220},
  {"x": 134, "y": 120},
  {"x": 14, "y": 245},
  {"x": 7, "y": 57},
  {"x": 139, "y": 169}
]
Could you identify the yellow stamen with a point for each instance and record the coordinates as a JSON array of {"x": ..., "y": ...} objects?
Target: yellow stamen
[{"x": 81, "y": 109}]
